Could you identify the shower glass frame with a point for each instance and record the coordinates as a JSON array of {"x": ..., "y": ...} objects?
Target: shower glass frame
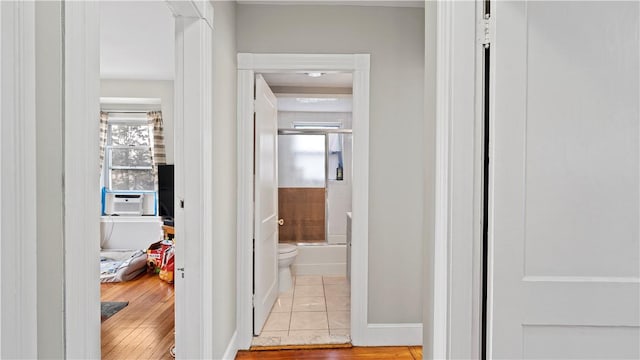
[{"x": 326, "y": 133}]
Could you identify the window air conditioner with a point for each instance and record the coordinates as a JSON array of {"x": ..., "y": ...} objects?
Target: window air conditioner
[{"x": 124, "y": 204}]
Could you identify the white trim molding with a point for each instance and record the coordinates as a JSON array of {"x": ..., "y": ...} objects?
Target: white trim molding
[
  {"x": 394, "y": 334},
  {"x": 232, "y": 348},
  {"x": 440, "y": 341},
  {"x": 457, "y": 257},
  {"x": 193, "y": 102},
  {"x": 244, "y": 297},
  {"x": 81, "y": 173},
  {"x": 194, "y": 184},
  {"x": 248, "y": 66},
  {"x": 18, "y": 277},
  {"x": 195, "y": 9}
]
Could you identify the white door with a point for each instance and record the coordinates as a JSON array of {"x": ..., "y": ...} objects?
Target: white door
[
  {"x": 564, "y": 251},
  {"x": 265, "y": 269}
]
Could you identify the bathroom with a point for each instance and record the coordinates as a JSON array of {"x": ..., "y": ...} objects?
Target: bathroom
[{"x": 314, "y": 202}]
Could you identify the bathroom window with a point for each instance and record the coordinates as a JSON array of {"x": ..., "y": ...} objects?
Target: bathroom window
[{"x": 128, "y": 154}]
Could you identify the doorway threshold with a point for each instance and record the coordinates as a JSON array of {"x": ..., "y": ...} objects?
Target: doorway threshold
[{"x": 301, "y": 347}]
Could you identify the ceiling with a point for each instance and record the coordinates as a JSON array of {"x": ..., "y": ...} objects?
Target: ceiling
[
  {"x": 136, "y": 40},
  {"x": 301, "y": 92},
  {"x": 335, "y": 80},
  {"x": 390, "y": 3},
  {"x": 315, "y": 103}
]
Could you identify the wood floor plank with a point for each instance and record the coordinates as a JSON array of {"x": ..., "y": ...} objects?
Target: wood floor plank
[
  {"x": 161, "y": 351},
  {"x": 356, "y": 353},
  {"x": 150, "y": 341},
  {"x": 416, "y": 351},
  {"x": 145, "y": 328}
]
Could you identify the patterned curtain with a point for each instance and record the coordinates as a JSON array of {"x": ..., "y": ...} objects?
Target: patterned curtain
[
  {"x": 159, "y": 153},
  {"x": 104, "y": 119}
]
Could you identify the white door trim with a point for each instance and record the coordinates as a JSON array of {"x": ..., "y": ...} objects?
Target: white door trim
[
  {"x": 82, "y": 200},
  {"x": 18, "y": 277},
  {"x": 358, "y": 64},
  {"x": 81, "y": 173},
  {"x": 458, "y": 219},
  {"x": 193, "y": 103}
]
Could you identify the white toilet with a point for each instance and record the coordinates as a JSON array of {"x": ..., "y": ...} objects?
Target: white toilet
[{"x": 286, "y": 255}]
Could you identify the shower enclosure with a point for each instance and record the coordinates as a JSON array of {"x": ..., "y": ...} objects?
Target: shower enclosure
[{"x": 314, "y": 184}]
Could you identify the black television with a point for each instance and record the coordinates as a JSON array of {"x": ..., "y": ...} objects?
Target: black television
[{"x": 165, "y": 192}]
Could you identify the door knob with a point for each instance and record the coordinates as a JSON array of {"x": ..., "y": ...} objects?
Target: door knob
[{"x": 281, "y": 222}]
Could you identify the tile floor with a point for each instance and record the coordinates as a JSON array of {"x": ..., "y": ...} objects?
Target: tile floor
[{"x": 316, "y": 310}]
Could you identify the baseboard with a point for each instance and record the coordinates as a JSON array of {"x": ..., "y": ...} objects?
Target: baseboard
[
  {"x": 320, "y": 269},
  {"x": 232, "y": 349},
  {"x": 409, "y": 334}
]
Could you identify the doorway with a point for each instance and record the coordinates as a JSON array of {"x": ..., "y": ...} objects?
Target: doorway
[
  {"x": 313, "y": 201},
  {"x": 137, "y": 76},
  {"x": 192, "y": 114},
  {"x": 249, "y": 65}
]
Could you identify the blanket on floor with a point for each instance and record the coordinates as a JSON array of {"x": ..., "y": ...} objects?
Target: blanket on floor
[{"x": 116, "y": 266}]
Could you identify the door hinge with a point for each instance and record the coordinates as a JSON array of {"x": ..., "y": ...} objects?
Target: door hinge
[
  {"x": 253, "y": 300},
  {"x": 485, "y": 31}
]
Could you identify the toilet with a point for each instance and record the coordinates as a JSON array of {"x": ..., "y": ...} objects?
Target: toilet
[{"x": 286, "y": 255}]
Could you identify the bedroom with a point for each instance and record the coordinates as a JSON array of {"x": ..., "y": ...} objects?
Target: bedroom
[{"x": 136, "y": 182}]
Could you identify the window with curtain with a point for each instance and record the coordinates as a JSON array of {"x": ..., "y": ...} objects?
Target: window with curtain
[{"x": 134, "y": 143}]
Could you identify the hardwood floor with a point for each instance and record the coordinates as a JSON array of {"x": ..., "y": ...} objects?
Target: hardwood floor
[
  {"x": 145, "y": 328},
  {"x": 387, "y": 352}
]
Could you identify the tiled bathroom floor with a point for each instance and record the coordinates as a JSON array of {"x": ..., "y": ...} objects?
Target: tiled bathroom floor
[{"x": 316, "y": 310}]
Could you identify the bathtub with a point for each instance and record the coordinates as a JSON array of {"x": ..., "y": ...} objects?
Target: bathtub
[
  {"x": 129, "y": 232},
  {"x": 321, "y": 260}
]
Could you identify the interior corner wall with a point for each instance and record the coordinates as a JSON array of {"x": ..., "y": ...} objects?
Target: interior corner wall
[
  {"x": 224, "y": 175},
  {"x": 394, "y": 37},
  {"x": 162, "y": 89},
  {"x": 49, "y": 187},
  {"x": 430, "y": 179}
]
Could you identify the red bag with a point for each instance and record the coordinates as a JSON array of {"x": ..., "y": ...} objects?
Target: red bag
[
  {"x": 166, "y": 269},
  {"x": 155, "y": 255}
]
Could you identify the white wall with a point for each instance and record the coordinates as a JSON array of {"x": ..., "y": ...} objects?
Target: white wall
[
  {"x": 162, "y": 89},
  {"x": 49, "y": 166},
  {"x": 224, "y": 175},
  {"x": 395, "y": 39}
]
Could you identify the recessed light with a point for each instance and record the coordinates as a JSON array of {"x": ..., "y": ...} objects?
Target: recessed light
[{"x": 315, "y": 74}]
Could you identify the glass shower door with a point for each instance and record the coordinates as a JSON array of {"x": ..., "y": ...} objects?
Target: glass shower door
[{"x": 302, "y": 188}]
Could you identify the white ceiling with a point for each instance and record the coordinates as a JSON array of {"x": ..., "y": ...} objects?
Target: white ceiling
[
  {"x": 390, "y": 3},
  {"x": 136, "y": 40},
  {"x": 336, "y": 80},
  {"x": 315, "y": 103}
]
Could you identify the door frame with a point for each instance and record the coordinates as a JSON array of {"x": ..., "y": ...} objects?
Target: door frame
[
  {"x": 248, "y": 65},
  {"x": 18, "y": 188},
  {"x": 81, "y": 197},
  {"x": 455, "y": 259}
]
